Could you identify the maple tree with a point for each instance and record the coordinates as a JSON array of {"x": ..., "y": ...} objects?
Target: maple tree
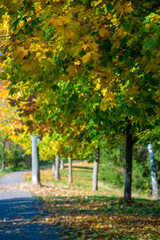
[
  {"x": 7, "y": 118},
  {"x": 3, "y": 133},
  {"x": 114, "y": 44},
  {"x": 13, "y": 133}
]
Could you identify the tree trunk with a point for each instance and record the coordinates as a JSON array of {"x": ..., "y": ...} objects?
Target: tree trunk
[
  {"x": 57, "y": 173},
  {"x": 53, "y": 167},
  {"x": 70, "y": 178},
  {"x": 95, "y": 171},
  {"x": 62, "y": 164},
  {"x": 3, "y": 157},
  {"x": 153, "y": 173},
  {"x": 35, "y": 161},
  {"x": 128, "y": 176}
]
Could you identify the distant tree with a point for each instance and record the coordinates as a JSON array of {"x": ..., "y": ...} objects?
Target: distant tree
[
  {"x": 70, "y": 178},
  {"x": 57, "y": 165},
  {"x": 153, "y": 172},
  {"x": 95, "y": 170}
]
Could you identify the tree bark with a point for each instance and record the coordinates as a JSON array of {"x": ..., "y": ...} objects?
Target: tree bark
[
  {"x": 53, "y": 167},
  {"x": 128, "y": 176},
  {"x": 57, "y": 173},
  {"x": 62, "y": 164},
  {"x": 3, "y": 157},
  {"x": 35, "y": 161},
  {"x": 153, "y": 173},
  {"x": 95, "y": 171},
  {"x": 70, "y": 178}
]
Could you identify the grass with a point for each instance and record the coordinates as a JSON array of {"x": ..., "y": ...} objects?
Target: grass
[
  {"x": 82, "y": 214},
  {"x": 82, "y": 179}
]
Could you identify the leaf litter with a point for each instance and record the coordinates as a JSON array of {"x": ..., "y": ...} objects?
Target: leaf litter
[{"x": 82, "y": 214}]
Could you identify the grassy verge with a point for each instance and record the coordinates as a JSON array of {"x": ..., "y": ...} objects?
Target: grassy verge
[{"x": 82, "y": 214}]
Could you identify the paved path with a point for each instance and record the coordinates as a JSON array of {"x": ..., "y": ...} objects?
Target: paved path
[{"x": 20, "y": 215}]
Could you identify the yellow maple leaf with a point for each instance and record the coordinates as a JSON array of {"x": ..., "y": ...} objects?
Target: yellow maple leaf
[
  {"x": 86, "y": 57},
  {"x": 129, "y": 8},
  {"x": 20, "y": 52},
  {"x": 108, "y": 100},
  {"x": 95, "y": 3},
  {"x": 85, "y": 46},
  {"x": 71, "y": 69},
  {"x": 98, "y": 84},
  {"x": 115, "y": 21},
  {"x": 38, "y": 54},
  {"x": 75, "y": 50},
  {"x": 129, "y": 43},
  {"x": 93, "y": 45},
  {"x": 55, "y": 22},
  {"x": 69, "y": 33},
  {"x": 116, "y": 45},
  {"x": 67, "y": 19},
  {"x": 103, "y": 32},
  {"x": 77, "y": 63}
]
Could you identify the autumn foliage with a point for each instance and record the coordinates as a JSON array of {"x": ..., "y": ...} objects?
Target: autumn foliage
[{"x": 83, "y": 71}]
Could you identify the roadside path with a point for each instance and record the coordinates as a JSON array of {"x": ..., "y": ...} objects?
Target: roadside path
[{"x": 20, "y": 214}]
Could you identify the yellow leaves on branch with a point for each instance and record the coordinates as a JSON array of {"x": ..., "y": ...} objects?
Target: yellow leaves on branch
[
  {"x": 3, "y": 92},
  {"x": 119, "y": 34},
  {"x": 38, "y": 9},
  {"x": 128, "y": 7},
  {"x": 96, "y": 3},
  {"x": 123, "y": 8},
  {"x": 114, "y": 20},
  {"x": 67, "y": 19},
  {"x": 55, "y": 22},
  {"x": 108, "y": 101},
  {"x": 20, "y": 52},
  {"x": 60, "y": 21},
  {"x": 30, "y": 66},
  {"x": 69, "y": 33},
  {"x": 86, "y": 57},
  {"x": 7, "y": 113},
  {"x": 72, "y": 70},
  {"x": 98, "y": 84},
  {"x": 103, "y": 32},
  {"x": 4, "y": 24},
  {"x": 132, "y": 40}
]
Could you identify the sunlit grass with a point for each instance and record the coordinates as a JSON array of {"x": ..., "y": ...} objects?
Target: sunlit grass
[{"x": 82, "y": 179}]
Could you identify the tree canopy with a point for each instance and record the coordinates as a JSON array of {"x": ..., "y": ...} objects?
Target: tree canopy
[{"x": 83, "y": 69}]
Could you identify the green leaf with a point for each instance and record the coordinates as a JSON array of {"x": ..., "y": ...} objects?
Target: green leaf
[
  {"x": 151, "y": 43},
  {"x": 146, "y": 19},
  {"x": 3, "y": 76},
  {"x": 49, "y": 54},
  {"x": 15, "y": 23}
]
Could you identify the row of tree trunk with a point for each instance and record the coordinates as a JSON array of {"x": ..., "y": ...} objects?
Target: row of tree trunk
[
  {"x": 59, "y": 164},
  {"x": 128, "y": 175}
]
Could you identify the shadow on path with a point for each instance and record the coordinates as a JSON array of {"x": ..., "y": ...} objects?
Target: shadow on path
[
  {"x": 20, "y": 218},
  {"x": 20, "y": 214}
]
